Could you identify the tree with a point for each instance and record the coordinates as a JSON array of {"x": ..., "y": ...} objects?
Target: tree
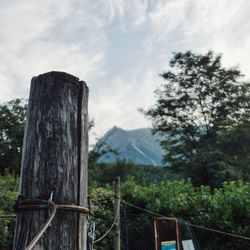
[
  {"x": 199, "y": 101},
  {"x": 12, "y": 118}
]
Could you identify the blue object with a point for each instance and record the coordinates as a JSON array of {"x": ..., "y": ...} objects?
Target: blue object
[{"x": 168, "y": 245}]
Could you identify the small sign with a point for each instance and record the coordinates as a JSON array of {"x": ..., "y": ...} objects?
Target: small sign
[
  {"x": 168, "y": 245},
  {"x": 188, "y": 245}
]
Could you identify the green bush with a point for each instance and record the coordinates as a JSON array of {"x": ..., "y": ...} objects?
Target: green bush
[
  {"x": 102, "y": 214},
  {"x": 8, "y": 196},
  {"x": 226, "y": 208}
]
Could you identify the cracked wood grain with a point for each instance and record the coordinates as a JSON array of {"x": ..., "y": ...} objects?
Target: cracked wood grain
[{"x": 55, "y": 160}]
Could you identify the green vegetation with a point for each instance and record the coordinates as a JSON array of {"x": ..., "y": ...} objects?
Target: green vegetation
[
  {"x": 105, "y": 173},
  {"x": 200, "y": 104},
  {"x": 226, "y": 208},
  {"x": 8, "y": 196}
]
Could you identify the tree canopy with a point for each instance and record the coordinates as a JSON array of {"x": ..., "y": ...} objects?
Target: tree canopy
[
  {"x": 12, "y": 116},
  {"x": 200, "y": 101}
]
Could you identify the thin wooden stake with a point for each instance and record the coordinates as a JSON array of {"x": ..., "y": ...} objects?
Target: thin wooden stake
[{"x": 117, "y": 239}]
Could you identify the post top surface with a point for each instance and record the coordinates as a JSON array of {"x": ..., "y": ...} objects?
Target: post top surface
[{"x": 58, "y": 75}]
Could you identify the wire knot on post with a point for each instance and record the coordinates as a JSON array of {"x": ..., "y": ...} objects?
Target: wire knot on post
[
  {"x": 36, "y": 203},
  {"x": 23, "y": 203}
]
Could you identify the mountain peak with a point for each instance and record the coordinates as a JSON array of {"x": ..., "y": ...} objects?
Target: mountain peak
[{"x": 139, "y": 146}]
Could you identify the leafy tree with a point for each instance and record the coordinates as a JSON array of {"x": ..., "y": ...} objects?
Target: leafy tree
[
  {"x": 227, "y": 159},
  {"x": 12, "y": 116},
  {"x": 199, "y": 101},
  {"x": 236, "y": 144}
]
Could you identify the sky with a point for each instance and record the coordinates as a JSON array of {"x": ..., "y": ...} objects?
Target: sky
[{"x": 119, "y": 47}]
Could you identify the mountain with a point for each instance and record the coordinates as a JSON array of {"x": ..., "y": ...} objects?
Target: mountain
[{"x": 139, "y": 146}]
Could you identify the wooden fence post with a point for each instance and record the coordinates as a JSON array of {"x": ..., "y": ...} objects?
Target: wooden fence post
[
  {"x": 54, "y": 161},
  {"x": 117, "y": 238}
]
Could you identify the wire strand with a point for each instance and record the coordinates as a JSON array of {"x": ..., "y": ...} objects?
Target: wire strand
[
  {"x": 108, "y": 231},
  {"x": 185, "y": 222},
  {"x": 42, "y": 231},
  {"x": 148, "y": 211},
  {"x": 214, "y": 230},
  {"x": 41, "y": 204}
]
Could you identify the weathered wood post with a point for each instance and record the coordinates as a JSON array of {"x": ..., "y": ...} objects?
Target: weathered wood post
[
  {"x": 55, "y": 161},
  {"x": 117, "y": 238}
]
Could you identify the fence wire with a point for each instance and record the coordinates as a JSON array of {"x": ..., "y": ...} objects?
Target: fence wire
[
  {"x": 137, "y": 229},
  {"x": 137, "y": 232}
]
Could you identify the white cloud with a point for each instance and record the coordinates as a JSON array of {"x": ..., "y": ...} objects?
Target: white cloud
[
  {"x": 40, "y": 36},
  {"x": 128, "y": 13},
  {"x": 6, "y": 85},
  {"x": 118, "y": 46},
  {"x": 127, "y": 93},
  {"x": 222, "y": 26}
]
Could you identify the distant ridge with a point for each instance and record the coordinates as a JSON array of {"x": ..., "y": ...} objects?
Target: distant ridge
[{"x": 139, "y": 146}]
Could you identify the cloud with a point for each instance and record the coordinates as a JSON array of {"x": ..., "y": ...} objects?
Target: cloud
[
  {"x": 40, "y": 36},
  {"x": 126, "y": 94},
  {"x": 117, "y": 46},
  {"x": 127, "y": 14},
  {"x": 222, "y": 26}
]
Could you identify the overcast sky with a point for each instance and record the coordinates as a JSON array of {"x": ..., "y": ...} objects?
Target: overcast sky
[{"x": 119, "y": 47}]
